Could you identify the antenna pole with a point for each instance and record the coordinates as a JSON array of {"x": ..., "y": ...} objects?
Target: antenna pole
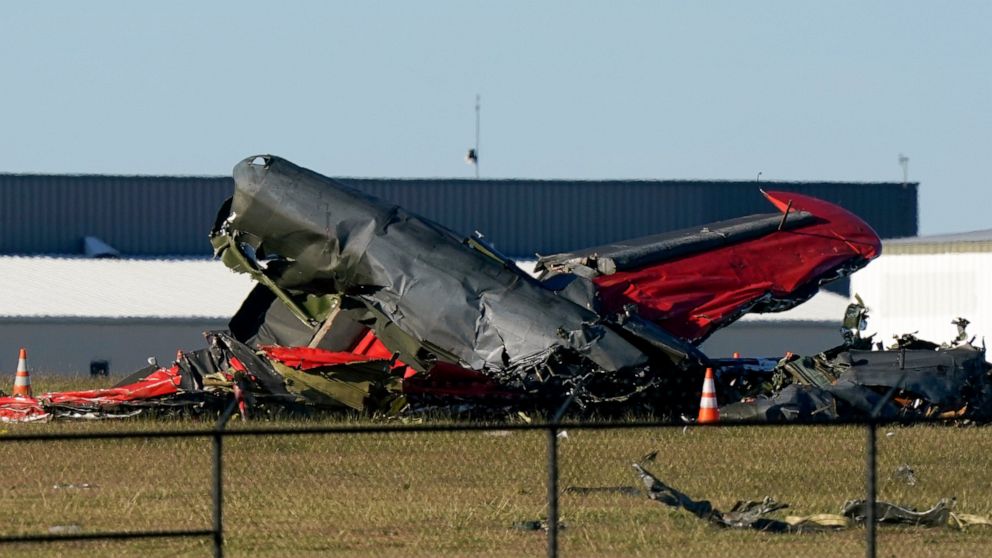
[
  {"x": 477, "y": 113},
  {"x": 904, "y": 161}
]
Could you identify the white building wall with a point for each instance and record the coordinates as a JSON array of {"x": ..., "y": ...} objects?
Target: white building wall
[
  {"x": 925, "y": 292},
  {"x": 70, "y": 311}
]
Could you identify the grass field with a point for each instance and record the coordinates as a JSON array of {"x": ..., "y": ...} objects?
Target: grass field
[{"x": 460, "y": 494}]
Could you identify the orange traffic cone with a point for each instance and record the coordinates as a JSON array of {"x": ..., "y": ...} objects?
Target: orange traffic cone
[
  {"x": 708, "y": 410},
  {"x": 22, "y": 383}
]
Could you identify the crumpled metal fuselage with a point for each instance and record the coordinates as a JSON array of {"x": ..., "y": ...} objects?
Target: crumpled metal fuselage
[
  {"x": 455, "y": 302},
  {"x": 430, "y": 296}
]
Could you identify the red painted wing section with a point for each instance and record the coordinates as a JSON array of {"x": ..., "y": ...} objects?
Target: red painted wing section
[
  {"x": 21, "y": 409},
  {"x": 306, "y": 358},
  {"x": 162, "y": 382},
  {"x": 443, "y": 379},
  {"x": 694, "y": 295}
]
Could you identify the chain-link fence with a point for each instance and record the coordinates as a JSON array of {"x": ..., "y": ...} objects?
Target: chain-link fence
[{"x": 357, "y": 489}]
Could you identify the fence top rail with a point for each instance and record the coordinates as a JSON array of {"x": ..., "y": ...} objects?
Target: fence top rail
[{"x": 432, "y": 427}]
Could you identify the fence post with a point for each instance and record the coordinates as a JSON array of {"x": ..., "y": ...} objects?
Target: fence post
[
  {"x": 871, "y": 463},
  {"x": 218, "y": 482},
  {"x": 870, "y": 471},
  {"x": 553, "y": 490},
  {"x": 553, "y": 472}
]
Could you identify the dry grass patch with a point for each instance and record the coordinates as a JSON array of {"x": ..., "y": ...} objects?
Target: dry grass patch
[{"x": 460, "y": 494}]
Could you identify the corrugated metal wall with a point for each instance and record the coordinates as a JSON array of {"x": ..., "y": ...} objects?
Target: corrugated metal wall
[
  {"x": 138, "y": 215},
  {"x": 155, "y": 216},
  {"x": 522, "y": 217}
]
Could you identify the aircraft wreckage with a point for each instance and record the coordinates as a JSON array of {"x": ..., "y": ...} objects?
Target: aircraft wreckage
[{"x": 360, "y": 304}]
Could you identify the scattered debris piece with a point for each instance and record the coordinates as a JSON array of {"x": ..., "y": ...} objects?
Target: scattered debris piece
[
  {"x": 886, "y": 512},
  {"x": 746, "y": 514},
  {"x": 818, "y": 521},
  {"x": 925, "y": 380},
  {"x": 648, "y": 457},
  {"x": 750, "y": 514},
  {"x": 906, "y": 474},
  {"x": 535, "y": 525},
  {"x": 22, "y": 409},
  {"x": 73, "y": 485},
  {"x": 68, "y": 529},
  {"x": 964, "y": 520}
]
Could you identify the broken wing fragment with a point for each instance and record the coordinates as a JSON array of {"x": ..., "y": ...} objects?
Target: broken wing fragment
[
  {"x": 746, "y": 514},
  {"x": 886, "y": 512},
  {"x": 694, "y": 281}
]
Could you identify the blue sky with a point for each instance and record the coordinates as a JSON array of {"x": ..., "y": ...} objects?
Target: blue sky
[{"x": 794, "y": 90}]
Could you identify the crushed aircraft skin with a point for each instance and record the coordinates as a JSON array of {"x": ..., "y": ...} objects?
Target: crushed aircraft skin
[
  {"x": 601, "y": 326},
  {"x": 363, "y": 306},
  {"x": 149, "y": 388},
  {"x": 912, "y": 379}
]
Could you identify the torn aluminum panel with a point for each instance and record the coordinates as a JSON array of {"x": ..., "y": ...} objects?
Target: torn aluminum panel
[
  {"x": 745, "y": 514},
  {"x": 929, "y": 382},
  {"x": 946, "y": 378},
  {"x": 886, "y": 512}
]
